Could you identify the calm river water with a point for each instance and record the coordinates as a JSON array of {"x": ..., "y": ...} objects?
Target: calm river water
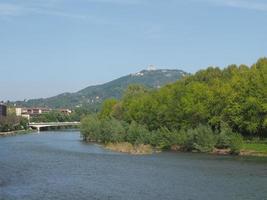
[{"x": 59, "y": 166}]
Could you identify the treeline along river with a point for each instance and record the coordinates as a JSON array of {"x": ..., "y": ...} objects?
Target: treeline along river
[{"x": 58, "y": 165}]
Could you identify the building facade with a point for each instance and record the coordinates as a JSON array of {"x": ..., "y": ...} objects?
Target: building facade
[
  {"x": 31, "y": 112},
  {"x": 34, "y": 112},
  {"x": 3, "y": 110}
]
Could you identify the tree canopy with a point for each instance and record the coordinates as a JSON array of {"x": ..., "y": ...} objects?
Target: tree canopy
[{"x": 236, "y": 96}]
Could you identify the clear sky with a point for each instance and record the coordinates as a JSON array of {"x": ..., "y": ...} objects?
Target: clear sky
[{"x": 52, "y": 46}]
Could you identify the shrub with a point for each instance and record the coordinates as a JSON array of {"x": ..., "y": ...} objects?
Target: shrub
[
  {"x": 137, "y": 134},
  {"x": 181, "y": 138},
  {"x": 91, "y": 128},
  {"x": 113, "y": 131},
  {"x": 201, "y": 139},
  {"x": 224, "y": 137},
  {"x": 103, "y": 130},
  {"x": 164, "y": 138},
  {"x": 190, "y": 140},
  {"x": 236, "y": 143}
]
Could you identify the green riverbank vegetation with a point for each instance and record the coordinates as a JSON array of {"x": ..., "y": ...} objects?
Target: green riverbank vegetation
[
  {"x": 126, "y": 147},
  {"x": 13, "y": 123},
  {"x": 57, "y": 116},
  {"x": 134, "y": 138},
  {"x": 212, "y": 109}
]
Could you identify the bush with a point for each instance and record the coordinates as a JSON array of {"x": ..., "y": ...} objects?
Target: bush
[
  {"x": 105, "y": 135},
  {"x": 201, "y": 139},
  {"x": 224, "y": 137},
  {"x": 228, "y": 139},
  {"x": 236, "y": 143},
  {"x": 113, "y": 131},
  {"x": 164, "y": 138},
  {"x": 189, "y": 140},
  {"x": 138, "y": 134},
  {"x": 181, "y": 138},
  {"x": 91, "y": 128},
  {"x": 103, "y": 130}
]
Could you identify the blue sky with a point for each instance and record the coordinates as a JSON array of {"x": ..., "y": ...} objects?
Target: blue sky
[{"x": 52, "y": 46}]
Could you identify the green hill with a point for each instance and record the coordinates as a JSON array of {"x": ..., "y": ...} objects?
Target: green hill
[{"x": 94, "y": 95}]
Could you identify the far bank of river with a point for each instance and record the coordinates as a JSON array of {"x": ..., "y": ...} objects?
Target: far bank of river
[
  {"x": 18, "y": 132},
  {"x": 258, "y": 150},
  {"x": 59, "y": 165},
  {"x": 125, "y": 147}
]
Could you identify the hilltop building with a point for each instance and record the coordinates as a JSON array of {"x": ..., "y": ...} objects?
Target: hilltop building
[
  {"x": 151, "y": 68},
  {"x": 3, "y": 110}
]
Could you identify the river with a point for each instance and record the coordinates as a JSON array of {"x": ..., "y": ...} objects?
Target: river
[{"x": 59, "y": 166}]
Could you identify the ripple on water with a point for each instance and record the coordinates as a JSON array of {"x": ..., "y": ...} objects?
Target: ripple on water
[{"x": 58, "y": 165}]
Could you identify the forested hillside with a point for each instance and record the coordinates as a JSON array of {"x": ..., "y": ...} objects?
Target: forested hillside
[{"x": 93, "y": 96}]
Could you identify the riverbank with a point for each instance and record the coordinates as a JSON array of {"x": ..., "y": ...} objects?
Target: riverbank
[
  {"x": 18, "y": 132},
  {"x": 248, "y": 149},
  {"x": 254, "y": 149},
  {"x": 243, "y": 152},
  {"x": 257, "y": 150},
  {"x": 126, "y": 147}
]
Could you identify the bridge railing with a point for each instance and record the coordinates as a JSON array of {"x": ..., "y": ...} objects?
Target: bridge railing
[{"x": 52, "y": 123}]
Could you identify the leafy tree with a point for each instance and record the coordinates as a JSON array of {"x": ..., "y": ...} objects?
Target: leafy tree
[
  {"x": 107, "y": 108},
  {"x": 53, "y": 116},
  {"x": 13, "y": 123},
  {"x": 213, "y": 107}
]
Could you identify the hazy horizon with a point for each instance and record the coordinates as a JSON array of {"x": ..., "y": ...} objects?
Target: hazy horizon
[{"x": 50, "y": 47}]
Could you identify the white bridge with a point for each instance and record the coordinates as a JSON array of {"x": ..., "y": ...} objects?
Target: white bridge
[{"x": 38, "y": 126}]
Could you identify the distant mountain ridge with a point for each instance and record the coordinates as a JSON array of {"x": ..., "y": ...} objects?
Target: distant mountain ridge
[{"x": 93, "y": 95}]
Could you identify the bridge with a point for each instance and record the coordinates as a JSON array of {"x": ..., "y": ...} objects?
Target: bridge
[{"x": 38, "y": 126}]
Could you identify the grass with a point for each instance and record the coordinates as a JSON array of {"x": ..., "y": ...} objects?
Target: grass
[
  {"x": 258, "y": 147},
  {"x": 255, "y": 148},
  {"x": 126, "y": 147}
]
